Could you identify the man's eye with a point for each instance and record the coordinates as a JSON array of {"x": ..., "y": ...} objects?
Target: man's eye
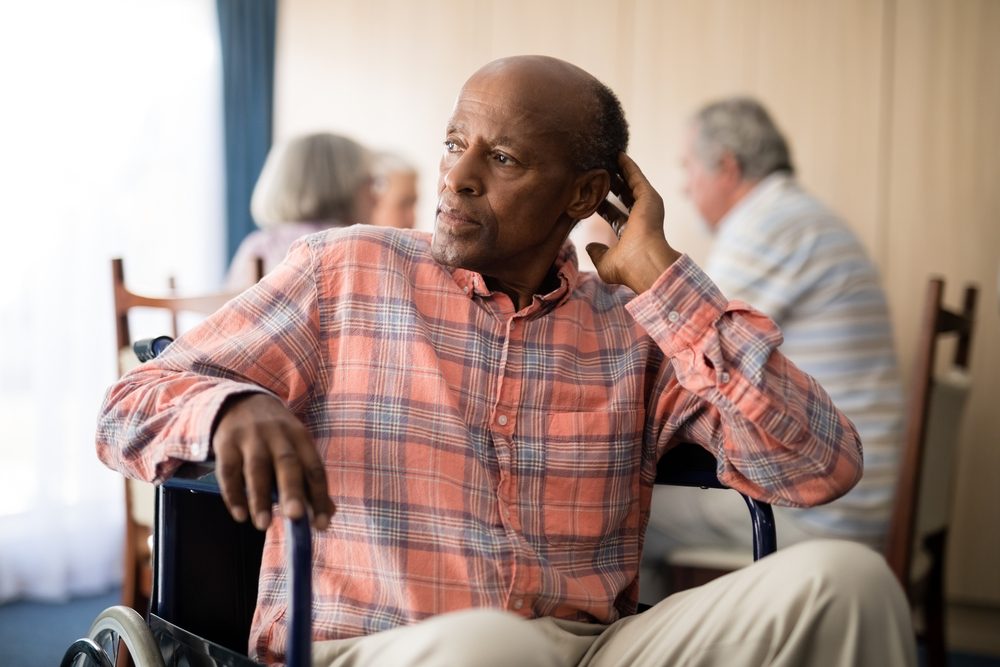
[
  {"x": 450, "y": 146},
  {"x": 503, "y": 159}
]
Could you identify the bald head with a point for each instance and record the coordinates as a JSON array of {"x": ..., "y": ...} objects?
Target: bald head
[
  {"x": 550, "y": 74},
  {"x": 573, "y": 102}
]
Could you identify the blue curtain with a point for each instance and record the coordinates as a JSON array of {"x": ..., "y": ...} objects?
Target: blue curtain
[{"x": 246, "y": 34}]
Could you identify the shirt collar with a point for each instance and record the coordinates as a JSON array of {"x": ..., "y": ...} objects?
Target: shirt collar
[{"x": 567, "y": 270}]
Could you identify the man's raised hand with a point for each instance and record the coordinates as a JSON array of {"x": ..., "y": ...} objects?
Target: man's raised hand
[{"x": 642, "y": 253}]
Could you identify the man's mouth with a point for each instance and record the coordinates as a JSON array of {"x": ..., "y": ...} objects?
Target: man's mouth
[{"x": 455, "y": 218}]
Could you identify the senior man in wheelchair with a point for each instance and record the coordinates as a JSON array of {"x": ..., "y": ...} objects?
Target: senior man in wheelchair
[{"x": 474, "y": 426}]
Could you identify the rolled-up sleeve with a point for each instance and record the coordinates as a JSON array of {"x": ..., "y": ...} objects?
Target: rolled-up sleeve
[
  {"x": 774, "y": 431},
  {"x": 162, "y": 413}
]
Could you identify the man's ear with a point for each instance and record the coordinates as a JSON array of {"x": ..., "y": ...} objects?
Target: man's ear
[
  {"x": 730, "y": 167},
  {"x": 589, "y": 190}
]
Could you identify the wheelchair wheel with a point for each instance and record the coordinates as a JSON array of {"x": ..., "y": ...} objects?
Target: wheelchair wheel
[{"x": 125, "y": 624}]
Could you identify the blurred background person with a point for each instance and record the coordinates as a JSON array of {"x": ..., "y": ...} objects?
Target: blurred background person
[
  {"x": 395, "y": 183},
  {"x": 309, "y": 183},
  {"x": 782, "y": 251}
]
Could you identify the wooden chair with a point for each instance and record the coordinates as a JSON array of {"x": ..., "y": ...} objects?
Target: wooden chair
[
  {"x": 139, "y": 496},
  {"x": 918, "y": 531},
  {"x": 917, "y": 535}
]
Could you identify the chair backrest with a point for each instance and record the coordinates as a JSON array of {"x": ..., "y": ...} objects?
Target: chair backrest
[
  {"x": 935, "y": 402},
  {"x": 125, "y": 300}
]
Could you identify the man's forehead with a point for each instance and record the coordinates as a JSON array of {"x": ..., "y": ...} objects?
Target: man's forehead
[
  {"x": 516, "y": 104},
  {"x": 507, "y": 112}
]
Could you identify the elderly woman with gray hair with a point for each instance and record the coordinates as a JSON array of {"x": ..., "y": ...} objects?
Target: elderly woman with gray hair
[{"x": 309, "y": 183}]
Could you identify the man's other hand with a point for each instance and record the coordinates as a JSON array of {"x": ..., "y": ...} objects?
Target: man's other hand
[
  {"x": 258, "y": 440},
  {"x": 642, "y": 253}
]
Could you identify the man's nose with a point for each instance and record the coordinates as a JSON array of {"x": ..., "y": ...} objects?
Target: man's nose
[{"x": 461, "y": 173}]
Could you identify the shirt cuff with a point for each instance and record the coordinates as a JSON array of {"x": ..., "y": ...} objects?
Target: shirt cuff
[{"x": 680, "y": 308}]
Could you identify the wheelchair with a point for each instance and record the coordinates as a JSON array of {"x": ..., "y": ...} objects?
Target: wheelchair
[
  {"x": 205, "y": 568},
  {"x": 206, "y": 565}
]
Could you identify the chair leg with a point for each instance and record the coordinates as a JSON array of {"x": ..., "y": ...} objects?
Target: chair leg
[
  {"x": 137, "y": 578},
  {"x": 129, "y": 577},
  {"x": 123, "y": 659},
  {"x": 933, "y": 603}
]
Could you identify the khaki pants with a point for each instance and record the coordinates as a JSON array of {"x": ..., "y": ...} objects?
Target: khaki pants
[
  {"x": 689, "y": 517},
  {"x": 823, "y": 602}
]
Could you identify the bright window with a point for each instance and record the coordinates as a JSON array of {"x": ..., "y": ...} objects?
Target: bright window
[{"x": 111, "y": 127}]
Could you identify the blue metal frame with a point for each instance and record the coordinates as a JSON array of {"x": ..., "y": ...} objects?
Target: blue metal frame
[
  {"x": 199, "y": 478},
  {"x": 765, "y": 537},
  {"x": 689, "y": 464}
]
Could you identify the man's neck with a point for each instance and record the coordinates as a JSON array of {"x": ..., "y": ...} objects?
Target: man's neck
[
  {"x": 521, "y": 296},
  {"x": 740, "y": 192},
  {"x": 732, "y": 198}
]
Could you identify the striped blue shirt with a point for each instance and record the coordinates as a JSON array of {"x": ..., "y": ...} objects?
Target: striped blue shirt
[{"x": 786, "y": 254}]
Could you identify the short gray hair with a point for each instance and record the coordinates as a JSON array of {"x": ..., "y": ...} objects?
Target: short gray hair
[
  {"x": 742, "y": 127},
  {"x": 311, "y": 178}
]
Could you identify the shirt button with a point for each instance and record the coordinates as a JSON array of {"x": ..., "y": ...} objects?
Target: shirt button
[
  {"x": 723, "y": 377},
  {"x": 673, "y": 316},
  {"x": 502, "y": 420},
  {"x": 518, "y": 603},
  {"x": 466, "y": 289}
]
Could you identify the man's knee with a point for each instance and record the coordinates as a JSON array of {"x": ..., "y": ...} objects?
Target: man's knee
[
  {"x": 851, "y": 576},
  {"x": 839, "y": 562},
  {"x": 846, "y": 593}
]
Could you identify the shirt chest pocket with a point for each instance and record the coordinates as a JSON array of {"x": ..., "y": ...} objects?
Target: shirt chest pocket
[{"x": 591, "y": 475}]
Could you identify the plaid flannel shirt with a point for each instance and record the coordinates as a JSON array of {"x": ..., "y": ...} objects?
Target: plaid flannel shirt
[{"x": 481, "y": 456}]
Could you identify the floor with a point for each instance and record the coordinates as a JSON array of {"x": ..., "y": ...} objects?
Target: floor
[{"x": 36, "y": 634}]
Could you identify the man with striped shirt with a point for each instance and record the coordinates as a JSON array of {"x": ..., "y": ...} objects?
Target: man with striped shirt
[
  {"x": 474, "y": 425},
  {"x": 783, "y": 252}
]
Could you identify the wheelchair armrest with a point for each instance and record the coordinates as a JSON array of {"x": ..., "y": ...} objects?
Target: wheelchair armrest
[
  {"x": 150, "y": 348},
  {"x": 195, "y": 476},
  {"x": 688, "y": 464}
]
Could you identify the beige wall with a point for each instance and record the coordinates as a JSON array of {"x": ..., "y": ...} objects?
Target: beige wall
[
  {"x": 893, "y": 108},
  {"x": 942, "y": 215}
]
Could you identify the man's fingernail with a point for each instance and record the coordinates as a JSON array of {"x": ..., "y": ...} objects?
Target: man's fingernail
[
  {"x": 293, "y": 509},
  {"x": 322, "y": 521},
  {"x": 240, "y": 514},
  {"x": 263, "y": 519}
]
